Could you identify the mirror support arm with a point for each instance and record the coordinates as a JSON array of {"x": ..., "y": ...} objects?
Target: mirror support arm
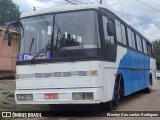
[{"x": 16, "y": 23}]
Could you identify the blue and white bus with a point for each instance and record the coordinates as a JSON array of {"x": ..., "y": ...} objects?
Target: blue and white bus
[{"x": 80, "y": 54}]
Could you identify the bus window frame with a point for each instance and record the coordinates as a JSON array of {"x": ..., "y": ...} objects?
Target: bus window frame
[{"x": 104, "y": 13}]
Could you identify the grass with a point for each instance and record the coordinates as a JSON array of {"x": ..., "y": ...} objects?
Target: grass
[
  {"x": 3, "y": 106},
  {"x": 43, "y": 106},
  {"x": 4, "y": 93},
  {"x": 10, "y": 95},
  {"x": 4, "y": 103},
  {"x": 7, "y": 76}
]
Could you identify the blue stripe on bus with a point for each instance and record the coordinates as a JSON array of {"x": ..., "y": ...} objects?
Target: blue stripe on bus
[{"x": 137, "y": 78}]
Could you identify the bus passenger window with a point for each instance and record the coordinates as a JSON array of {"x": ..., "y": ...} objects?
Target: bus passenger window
[
  {"x": 149, "y": 49},
  {"x": 144, "y": 47},
  {"x": 118, "y": 31},
  {"x": 139, "y": 43},
  {"x": 123, "y": 34},
  {"x": 133, "y": 41},
  {"x": 129, "y": 37}
]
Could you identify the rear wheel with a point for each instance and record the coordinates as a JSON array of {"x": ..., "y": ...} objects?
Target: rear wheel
[{"x": 149, "y": 89}]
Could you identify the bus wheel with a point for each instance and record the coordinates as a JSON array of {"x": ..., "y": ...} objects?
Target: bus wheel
[
  {"x": 114, "y": 104},
  {"x": 149, "y": 89},
  {"x": 116, "y": 95}
]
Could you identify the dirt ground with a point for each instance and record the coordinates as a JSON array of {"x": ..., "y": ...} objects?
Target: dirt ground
[
  {"x": 135, "y": 102},
  {"x": 7, "y": 101}
]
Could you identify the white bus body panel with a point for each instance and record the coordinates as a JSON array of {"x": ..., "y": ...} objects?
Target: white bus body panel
[
  {"x": 153, "y": 70},
  {"x": 30, "y": 82},
  {"x": 64, "y": 96},
  {"x": 102, "y": 85}
]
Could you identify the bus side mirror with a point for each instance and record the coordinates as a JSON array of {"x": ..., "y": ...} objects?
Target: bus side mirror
[
  {"x": 14, "y": 23},
  {"x": 9, "y": 38},
  {"x": 111, "y": 28}
]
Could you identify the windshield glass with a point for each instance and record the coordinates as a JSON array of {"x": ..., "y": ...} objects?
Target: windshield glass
[
  {"x": 36, "y": 33},
  {"x": 75, "y": 34}
]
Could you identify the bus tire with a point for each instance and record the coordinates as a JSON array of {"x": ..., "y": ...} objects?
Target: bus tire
[
  {"x": 116, "y": 95},
  {"x": 109, "y": 106},
  {"x": 114, "y": 104},
  {"x": 149, "y": 88}
]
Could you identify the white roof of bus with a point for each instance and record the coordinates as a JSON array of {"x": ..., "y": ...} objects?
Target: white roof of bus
[{"x": 61, "y": 8}]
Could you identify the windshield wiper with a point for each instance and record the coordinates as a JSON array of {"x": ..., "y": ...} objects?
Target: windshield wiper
[
  {"x": 39, "y": 53},
  {"x": 31, "y": 45}
]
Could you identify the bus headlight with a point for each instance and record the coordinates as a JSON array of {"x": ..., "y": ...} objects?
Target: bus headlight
[
  {"x": 23, "y": 97},
  {"x": 94, "y": 73},
  {"x": 83, "y": 96}
]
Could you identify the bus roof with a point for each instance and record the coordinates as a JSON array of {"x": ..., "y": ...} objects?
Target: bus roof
[
  {"x": 71, "y": 8},
  {"x": 61, "y": 9}
]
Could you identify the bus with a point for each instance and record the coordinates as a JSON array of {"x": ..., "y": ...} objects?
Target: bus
[{"x": 80, "y": 55}]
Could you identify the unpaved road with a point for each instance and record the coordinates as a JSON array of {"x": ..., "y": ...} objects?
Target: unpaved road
[
  {"x": 7, "y": 101},
  {"x": 135, "y": 102}
]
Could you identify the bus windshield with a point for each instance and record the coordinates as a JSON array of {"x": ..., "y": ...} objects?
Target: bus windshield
[
  {"x": 69, "y": 34},
  {"x": 36, "y": 33}
]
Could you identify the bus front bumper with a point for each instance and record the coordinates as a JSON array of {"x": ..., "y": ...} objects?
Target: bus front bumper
[{"x": 60, "y": 96}]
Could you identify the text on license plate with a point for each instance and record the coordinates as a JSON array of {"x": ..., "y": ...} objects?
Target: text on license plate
[{"x": 51, "y": 96}]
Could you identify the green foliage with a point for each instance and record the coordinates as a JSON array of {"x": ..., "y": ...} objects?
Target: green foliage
[
  {"x": 156, "y": 47},
  {"x": 10, "y": 95},
  {"x": 9, "y": 11},
  {"x": 42, "y": 106},
  {"x": 3, "y": 106},
  {"x": 4, "y": 93}
]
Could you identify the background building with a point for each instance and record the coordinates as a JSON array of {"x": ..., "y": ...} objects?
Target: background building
[{"x": 8, "y": 54}]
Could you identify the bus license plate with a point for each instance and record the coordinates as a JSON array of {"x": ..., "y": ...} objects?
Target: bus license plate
[{"x": 51, "y": 96}]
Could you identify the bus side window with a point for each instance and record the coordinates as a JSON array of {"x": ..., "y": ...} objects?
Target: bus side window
[
  {"x": 110, "y": 47},
  {"x": 129, "y": 37},
  {"x": 123, "y": 34},
  {"x": 120, "y": 32},
  {"x": 144, "y": 46},
  {"x": 149, "y": 49},
  {"x": 133, "y": 41},
  {"x": 139, "y": 43}
]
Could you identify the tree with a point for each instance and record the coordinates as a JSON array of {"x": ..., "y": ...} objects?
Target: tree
[
  {"x": 9, "y": 11},
  {"x": 156, "y": 47}
]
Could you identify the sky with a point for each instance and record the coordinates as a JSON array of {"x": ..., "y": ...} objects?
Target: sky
[{"x": 143, "y": 15}]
